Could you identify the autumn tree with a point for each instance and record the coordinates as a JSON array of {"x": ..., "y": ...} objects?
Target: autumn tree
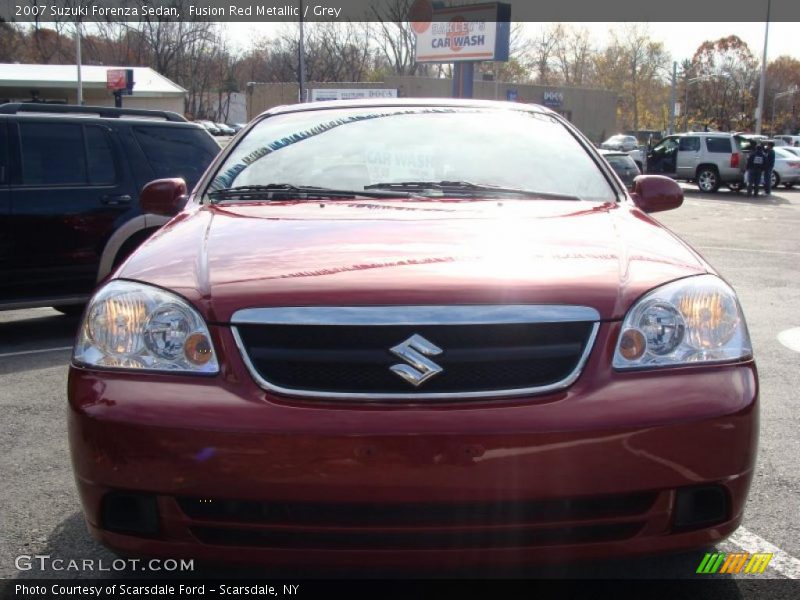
[
  {"x": 636, "y": 67},
  {"x": 11, "y": 42},
  {"x": 783, "y": 76},
  {"x": 725, "y": 97}
]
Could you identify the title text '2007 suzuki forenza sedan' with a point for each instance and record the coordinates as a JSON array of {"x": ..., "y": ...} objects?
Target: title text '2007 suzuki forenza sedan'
[{"x": 407, "y": 334}]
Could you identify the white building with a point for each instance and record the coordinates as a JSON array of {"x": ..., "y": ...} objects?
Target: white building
[{"x": 24, "y": 82}]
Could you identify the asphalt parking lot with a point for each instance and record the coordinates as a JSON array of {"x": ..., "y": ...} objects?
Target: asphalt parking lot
[{"x": 754, "y": 243}]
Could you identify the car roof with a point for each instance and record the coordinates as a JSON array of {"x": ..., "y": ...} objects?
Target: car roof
[
  {"x": 410, "y": 102},
  {"x": 607, "y": 152},
  {"x": 706, "y": 133},
  {"x": 73, "y": 118}
]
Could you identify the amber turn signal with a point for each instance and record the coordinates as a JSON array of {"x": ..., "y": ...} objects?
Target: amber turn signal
[
  {"x": 632, "y": 345},
  {"x": 197, "y": 349}
]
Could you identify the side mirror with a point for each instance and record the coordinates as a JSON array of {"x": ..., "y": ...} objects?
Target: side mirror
[
  {"x": 653, "y": 193},
  {"x": 165, "y": 197}
]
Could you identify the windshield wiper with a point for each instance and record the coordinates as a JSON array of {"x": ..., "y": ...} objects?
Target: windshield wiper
[
  {"x": 281, "y": 191},
  {"x": 461, "y": 188}
]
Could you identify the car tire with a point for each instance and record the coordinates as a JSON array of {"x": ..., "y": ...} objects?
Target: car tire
[
  {"x": 707, "y": 179},
  {"x": 70, "y": 310},
  {"x": 788, "y": 186},
  {"x": 776, "y": 180}
]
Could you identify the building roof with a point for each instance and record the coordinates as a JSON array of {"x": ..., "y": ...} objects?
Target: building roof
[{"x": 147, "y": 82}]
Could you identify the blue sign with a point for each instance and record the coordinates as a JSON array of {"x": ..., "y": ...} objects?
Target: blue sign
[
  {"x": 553, "y": 99},
  {"x": 128, "y": 91}
]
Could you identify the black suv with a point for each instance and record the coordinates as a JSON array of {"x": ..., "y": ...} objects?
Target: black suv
[{"x": 70, "y": 179}]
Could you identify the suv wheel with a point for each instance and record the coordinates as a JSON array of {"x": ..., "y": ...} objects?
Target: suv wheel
[
  {"x": 775, "y": 180},
  {"x": 707, "y": 179}
]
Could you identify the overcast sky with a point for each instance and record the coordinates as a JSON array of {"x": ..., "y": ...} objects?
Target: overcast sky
[{"x": 681, "y": 39}]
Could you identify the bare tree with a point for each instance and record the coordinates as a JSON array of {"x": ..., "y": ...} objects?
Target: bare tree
[
  {"x": 574, "y": 54},
  {"x": 542, "y": 52},
  {"x": 394, "y": 39}
]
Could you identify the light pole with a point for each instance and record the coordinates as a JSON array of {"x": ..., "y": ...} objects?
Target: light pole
[
  {"x": 793, "y": 90},
  {"x": 686, "y": 98},
  {"x": 302, "y": 74},
  {"x": 671, "y": 129},
  {"x": 78, "y": 60},
  {"x": 760, "y": 108}
]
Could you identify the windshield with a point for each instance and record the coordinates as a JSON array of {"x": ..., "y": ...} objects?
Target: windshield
[
  {"x": 622, "y": 161},
  {"x": 351, "y": 149}
]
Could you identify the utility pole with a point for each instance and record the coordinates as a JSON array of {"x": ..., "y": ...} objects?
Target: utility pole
[
  {"x": 760, "y": 108},
  {"x": 302, "y": 58},
  {"x": 78, "y": 60},
  {"x": 672, "y": 99}
]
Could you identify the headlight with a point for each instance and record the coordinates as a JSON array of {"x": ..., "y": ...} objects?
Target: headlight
[
  {"x": 693, "y": 320},
  {"x": 130, "y": 325}
]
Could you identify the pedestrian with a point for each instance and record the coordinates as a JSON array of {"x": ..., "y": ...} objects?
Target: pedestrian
[
  {"x": 769, "y": 165},
  {"x": 755, "y": 169}
]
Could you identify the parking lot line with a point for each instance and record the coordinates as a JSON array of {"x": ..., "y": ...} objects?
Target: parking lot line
[
  {"x": 23, "y": 352},
  {"x": 790, "y": 338},
  {"x": 747, "y": 250},
  {"x": 783, "y": 562}
]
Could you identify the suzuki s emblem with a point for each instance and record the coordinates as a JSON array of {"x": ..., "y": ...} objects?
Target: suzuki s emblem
[{"x": 413, "y": 351}]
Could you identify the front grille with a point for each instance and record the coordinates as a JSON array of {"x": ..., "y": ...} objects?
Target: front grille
[
  {"x": 417, "y": 525},
  {"x": 354, "y": 514},
  {"x": 356, "y": 359}
]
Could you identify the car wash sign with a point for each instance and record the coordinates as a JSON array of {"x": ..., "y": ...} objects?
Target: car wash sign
[{"x": 472, "y": 32}]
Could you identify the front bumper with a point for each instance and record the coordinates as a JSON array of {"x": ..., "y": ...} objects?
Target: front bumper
[{"x": 239, "y": 475}]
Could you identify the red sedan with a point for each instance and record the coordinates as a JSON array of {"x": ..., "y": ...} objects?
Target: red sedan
[{"x": 412, "y": 334}]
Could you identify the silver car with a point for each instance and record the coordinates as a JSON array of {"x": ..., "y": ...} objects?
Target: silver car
[
  {"x": 787, "y": 168},
  {"x": 708, "y": 158},
  {"x": 787, "y": 140},
  {"x": 620, "y": 142}
]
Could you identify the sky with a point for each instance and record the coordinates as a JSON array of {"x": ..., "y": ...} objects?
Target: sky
[{"x": 680, "y": 39}]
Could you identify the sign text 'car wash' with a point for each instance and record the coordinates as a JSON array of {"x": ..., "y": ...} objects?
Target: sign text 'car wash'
[{"x": 462, "y": 33}]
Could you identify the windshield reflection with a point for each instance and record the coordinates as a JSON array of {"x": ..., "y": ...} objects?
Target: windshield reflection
[{"x": 353, "y": 148}]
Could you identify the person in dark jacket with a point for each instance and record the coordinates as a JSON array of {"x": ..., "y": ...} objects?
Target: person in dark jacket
[
  {"x": 755, "y": 169},
  {"x": 768, "y": 166}
]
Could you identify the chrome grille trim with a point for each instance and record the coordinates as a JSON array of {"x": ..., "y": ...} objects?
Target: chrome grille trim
[{"x": 416, "y": 315}]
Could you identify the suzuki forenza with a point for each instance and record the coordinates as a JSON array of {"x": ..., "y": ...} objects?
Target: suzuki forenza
[{"x": 405, "y": 334}]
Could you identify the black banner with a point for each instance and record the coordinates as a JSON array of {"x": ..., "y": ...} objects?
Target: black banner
[
  {"x": 715, "y": 588},
  {"x": 712, "y": 11}
]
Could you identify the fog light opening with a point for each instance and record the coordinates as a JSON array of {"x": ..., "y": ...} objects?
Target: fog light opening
[
  {"x": 130, "y": 513},
  {"x": 698, "y": 507}
]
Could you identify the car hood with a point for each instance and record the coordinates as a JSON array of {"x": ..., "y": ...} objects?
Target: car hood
[{"x": 347, "y": 253}]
